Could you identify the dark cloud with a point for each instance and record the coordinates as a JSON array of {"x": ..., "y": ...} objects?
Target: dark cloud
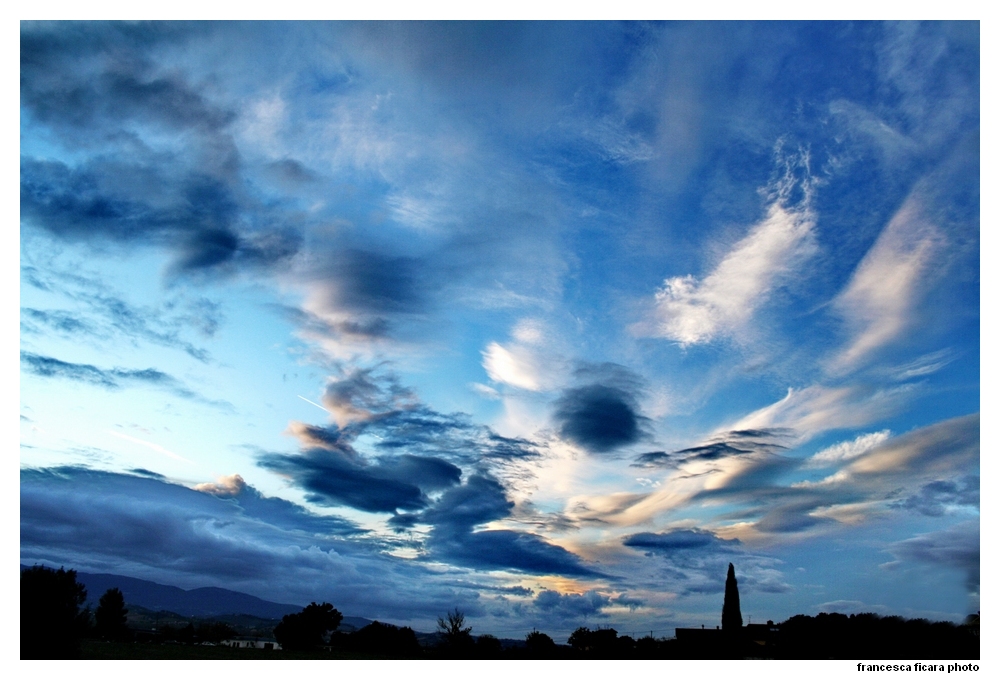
[
  {"x": 337, "y": 478},
  {"x": 73, "y": 510},
  {"x": 710, "y": 451},
  {"x": 163, "y": 169},
  {"x": 144, "y": 527},
  {"x": 602, "y": 414},
  {"x": 626, "y": 601},
  {"x": 277, "y": 511},
  {"x": 83, "y": 77},
  {"x": 143, "y": 472},
  {"x": 110, "y": 378},
  {"x": 507, "y": 550},
  {"x": 791, "y": 518},
  {"x": 368, "y": 329},
  {"x": 653, "y": 459},
  {"x": 598, "y": 418},
  {"x": 482, "y": 500},
  {"x": 478, "y": 501},
  {"x": 368, "y": 402},
  {"x": 193, "y": 214},
  {"x": 368, "y": 282},
  {"x": 680, "y": 539},
  {"x": 415, "y": 451},
  {"x": 572, "y": 605},
  {"x": 957, "y": 547},
  {"x": 935, "y": 498},
  {"x": 732, "y": 443}
]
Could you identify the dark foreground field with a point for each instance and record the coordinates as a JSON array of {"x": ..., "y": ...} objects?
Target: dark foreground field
[{"x": 96, "y": 649}]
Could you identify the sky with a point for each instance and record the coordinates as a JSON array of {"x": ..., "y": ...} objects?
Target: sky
[{"x": 546, "y": 322}]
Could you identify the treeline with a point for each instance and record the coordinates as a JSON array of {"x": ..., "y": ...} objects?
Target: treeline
[{"x": 53, "y": 623}]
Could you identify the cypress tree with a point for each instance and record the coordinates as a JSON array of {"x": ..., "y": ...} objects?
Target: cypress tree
[{"x": 732, "y": 619}]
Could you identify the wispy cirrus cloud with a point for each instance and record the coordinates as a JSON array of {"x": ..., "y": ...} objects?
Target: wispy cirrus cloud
[
  {"x": 692, "y": 311},
  {"x": 111, "y": 378},
  {"x": 879, "y": 303}
]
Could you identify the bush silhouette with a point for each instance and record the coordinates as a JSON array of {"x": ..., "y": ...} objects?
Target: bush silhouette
[
  {"x": 307, "y": 629},
  {"x": 111, "y": 616},
  {"x": 51, "y": 619},
  {"x": 385, "y": 640},
  {"x": 488, "y": 647}
]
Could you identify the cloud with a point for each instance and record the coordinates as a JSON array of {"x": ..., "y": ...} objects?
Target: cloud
[
  {"x": 148, "y": 528},
  {"x": 572, "y": 605},
  {"x": 879, "y": 302},
  {"x": 143, "y": 520},
  {"x": 598, "y": 418},
  {"x": 109, "y": 314},
  {"x": 110, "y": 378},
  {"x": 723, "y": 445},
  {"x": 517, "y": 366},
  {"x": 818, "y": 408},
  {"x": 528, "y": 362},
  {"x": 691, "y": 311},
  {"x": 694, "y": 562},
  {"x": 372, "y": 402},
  {"x": 509, "y": 551},
  {"x": 366, "y": 283},
  {"x": 603, "y": 414},
  {"x": 195, "y": 216},
  {"x": 227, "y": 485},
  {"x": 336, "y": 478},
  {"x": 679, "y": 539},
  {"x": 453, "y": 538},
  {"x": 359, "y": 397},
  {"x": 956, "y": 547},
  {"x": 943, "y": 447},
  {"x": 844, "y": 451},
  {"x": 162, "y": 167},
  {"x": 654, "y": 459},
  {"x": 937, "y": 498},
  {"x": 478, "y": 501}
]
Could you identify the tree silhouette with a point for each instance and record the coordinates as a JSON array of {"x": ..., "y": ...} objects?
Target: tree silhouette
[
  {"x": 111, "y": 616},
  {"x": 307, "y": 629},
  {"x": 384, "y": 640},
  {"x": 488, "y": 647},
  {"x": 732, "y": 619},
  {"x": 580, "y": 639},
  {"x": 51, "y": 619},
  {"x": 538, "y": 643},
  {"x": 455, "y": 635}
]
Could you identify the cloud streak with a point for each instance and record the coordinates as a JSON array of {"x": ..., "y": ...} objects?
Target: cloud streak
[
  {"x": 110, "y": 378},
  {"x": 691, "y": 311}
]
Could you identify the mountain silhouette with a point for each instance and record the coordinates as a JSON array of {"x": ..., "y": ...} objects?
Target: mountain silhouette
[{"x": 202, "y": 602}]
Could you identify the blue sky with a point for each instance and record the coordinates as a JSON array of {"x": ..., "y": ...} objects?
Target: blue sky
[{"x": 545, "y": 321}]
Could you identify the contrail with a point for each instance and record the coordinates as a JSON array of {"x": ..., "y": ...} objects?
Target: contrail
[
  {"x": 314, "y": 403},
  {"x": 149, "y": 445}
]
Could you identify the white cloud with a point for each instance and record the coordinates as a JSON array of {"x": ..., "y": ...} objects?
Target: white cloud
[
  {"x": 530, "y": 362},
  {"x": 515, "y": 367},
  {"x": 226, "y": 485},
  {"x": 817, "y": 408},
  {"x": 879, "y": 301},
  {"x": 848, "y": 450},
  {"x": 692, "y": 311},
  {"x": 484, "y": 390}
]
